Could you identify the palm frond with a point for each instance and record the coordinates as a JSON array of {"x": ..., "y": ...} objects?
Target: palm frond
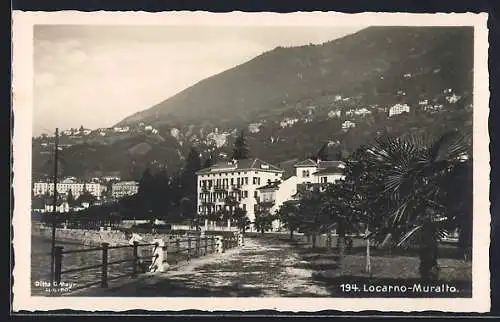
[{"x": 406, "y": 237}]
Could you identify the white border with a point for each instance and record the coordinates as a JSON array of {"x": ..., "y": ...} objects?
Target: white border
[{"x": 23, "y": 101}]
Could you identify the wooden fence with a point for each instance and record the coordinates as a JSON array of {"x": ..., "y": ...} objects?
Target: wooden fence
[{"x": 177, "y": 250}]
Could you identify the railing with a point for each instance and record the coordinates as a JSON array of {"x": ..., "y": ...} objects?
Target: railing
[{"x": 195, "y": 247}]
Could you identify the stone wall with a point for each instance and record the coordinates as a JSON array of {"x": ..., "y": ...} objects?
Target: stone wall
[{"x": 92, "y": 237}]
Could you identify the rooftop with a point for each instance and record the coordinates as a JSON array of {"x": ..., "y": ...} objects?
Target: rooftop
[
  {"x": 246, "y": 164},
  {"x": 305, "y": 163},
  {"x": 271, "y": 185},
  {"x": 331, "y": 164},
  {"x": 333, "y": 170}
]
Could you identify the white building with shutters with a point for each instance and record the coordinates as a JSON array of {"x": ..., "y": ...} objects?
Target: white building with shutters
[{"x": 238, "y": 178}]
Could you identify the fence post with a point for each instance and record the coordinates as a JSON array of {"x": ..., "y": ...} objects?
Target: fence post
[
  {"x": 198, "y": 238},
  {"x": 213, "y": 243},
  {"x": 240, "y": 239},
  {"x": 178, "y": 244},
  {"x": 58, "y": 252},
  {"x": 206, "y": 245},
  {"x": 136, "y": 259},
  {"x": 189, "y": 249},
  {"x": 104, "y": 271},
  {"x": 220, "y": 244}
]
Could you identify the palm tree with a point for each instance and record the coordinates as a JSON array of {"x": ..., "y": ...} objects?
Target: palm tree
[{"x": 417, "y": 172}]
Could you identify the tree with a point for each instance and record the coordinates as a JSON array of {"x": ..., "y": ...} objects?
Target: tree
[
  {"x": 314, "y": 219},
  {"x": 229, "y": 208},
  {"x": 241, "y": 219},
  {"x": 188, "y": 175},
  {"x": 187, "y": 208},
  {"x": 86, "y": 196},
  {"x": 323, "y": 152},
  {"x": 240, "y": 150},
  {"x": 263, "y": 217},
  {"x": 417, "y": 172},
  {"x": 288, "y": 215},
  {"x": 145, "y": 194},
  {"x": 208, "y": 162},
  {"x": 369, "y": 203},
  {"x": 338, "y": 205},
  {"x": 70, "y": 198}
]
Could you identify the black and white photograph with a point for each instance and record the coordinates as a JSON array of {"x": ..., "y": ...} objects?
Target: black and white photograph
[{"x": 273, "y": 161}]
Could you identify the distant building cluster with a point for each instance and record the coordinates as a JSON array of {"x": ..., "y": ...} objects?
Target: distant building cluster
[
  {"x": 96, "y": 188},
  {"x": 124, "y": 188},
  {"x": 77, "y": 187},
  {"x": 398, "y": 109}
]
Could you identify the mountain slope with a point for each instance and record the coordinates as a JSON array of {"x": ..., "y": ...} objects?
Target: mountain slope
[
  {"x": 277, "y": 80},
  {"x": 291, "y": 101}
]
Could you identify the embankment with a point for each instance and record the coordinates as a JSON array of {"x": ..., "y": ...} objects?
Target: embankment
[{"x": 90, "y": 237}]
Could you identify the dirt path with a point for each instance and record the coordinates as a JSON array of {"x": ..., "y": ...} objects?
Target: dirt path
[{"x": 263, "y": 267}]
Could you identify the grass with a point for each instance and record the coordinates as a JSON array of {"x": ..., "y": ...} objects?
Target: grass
[{"x": 397, "y": 267}]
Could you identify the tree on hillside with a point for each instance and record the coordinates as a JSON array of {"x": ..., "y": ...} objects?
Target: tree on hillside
[
  {"x": 240, "y": 150},
  {"x": 86, "y": 196},
  {"x": 323, "y": 152},
  {"x": 208, "y": 162}
]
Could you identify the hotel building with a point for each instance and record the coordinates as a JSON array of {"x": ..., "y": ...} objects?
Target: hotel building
[{"x": 238, "y": 178}]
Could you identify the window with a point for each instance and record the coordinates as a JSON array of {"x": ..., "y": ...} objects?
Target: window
[
  {"x": 245, "y": 194},
  {"x": 323, "y": 180},
  {"x": 238, "y": 181},
  {"x": 244, "y": 207},
  {"x": 254, "y": 181},
  {"x": 255, "y": 193},
  {"x": 232, "y": 181},
  {"x": 246, "y": 180}
]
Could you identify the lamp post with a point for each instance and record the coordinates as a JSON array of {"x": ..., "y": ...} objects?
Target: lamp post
[{"x": 54, "y": 212}]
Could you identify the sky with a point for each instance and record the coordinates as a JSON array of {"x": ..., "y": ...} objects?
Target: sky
[{"x": 97, "y": 75}]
